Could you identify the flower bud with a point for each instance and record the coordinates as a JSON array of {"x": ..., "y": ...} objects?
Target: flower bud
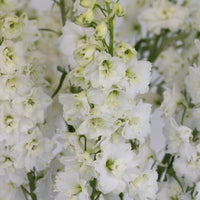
[
  {"x": 118, "y": 9},
  {"x": 125, "y": 51},
  {"x": 84, "y": 54},
  {"x": 101, "y": 30},
  {"x": 85, "y": 18},
  {"x": 87, "y": 3}
]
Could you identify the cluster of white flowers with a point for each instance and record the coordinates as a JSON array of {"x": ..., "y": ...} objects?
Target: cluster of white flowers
[
  {"x": 24, "y": 147},
  {"x": 76, "y": 97},
  {"x": 106, "y": 155},
  {"x": 166, "y": 32}
]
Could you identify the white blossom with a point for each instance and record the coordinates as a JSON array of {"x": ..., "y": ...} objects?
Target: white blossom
[{"x": 164, "y": 14}]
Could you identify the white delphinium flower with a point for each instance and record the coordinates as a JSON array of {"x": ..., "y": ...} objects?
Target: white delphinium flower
[
  {"x": 73, "y": 37},
  {"x": 97, "y": 125},
  {"x": 33, "y": 105},
  {"x": 143, "y": 186},
  {"x": 12, "y": 124},
  {"x": 75, "y": 107},
  {"x": 105, "y": 71},
  {"x": 187, "y": 164},
  {"x": 172, "y": 67},
  {"x": 14, "y": 86},
  {"x": 30, "y": 32},
  {"x": 12, "y": 57},
  {"x": 137, "y": 124},
  {"x": 130, "y": 29},
  {"x": 172, "y": 99},
  {"x": 77, "y": 77},
  {"x": 114, "y": 165},
  {"x": 177, "y": 136},
  {"x": 164, "y": 14},
  {"x": 188, "y": 170},
  {"x": 9, "y": 191},
  {"x": 70, "y": 146},
  {"x": 137, "y": 77},
  {"x": 70, "y": 185},
  {"x": 14, "y": 27},
  {"x": 35, "y": 70},
  {"x": 8, "y": 168},
  {"x": 45, "y": 185},
  {"x": 116, "y": 103},
  {"x": 169, "y": 190},
  {"x": 192, "y": 82},
  {"x": 34, "y": 150},
  {"x": 96, "y": 96},
  {"x": 11, "y": 27},
  {"x": 9, "y": 119}
]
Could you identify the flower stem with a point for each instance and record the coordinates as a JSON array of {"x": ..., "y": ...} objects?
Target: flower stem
[
  {"x": 111, "y": 29},
  {"x": 50, "y": 30},
  {"x": 62, "y": 11},
  {"x": 62, "y": 78},
  {"x": 25, "y": 192}
]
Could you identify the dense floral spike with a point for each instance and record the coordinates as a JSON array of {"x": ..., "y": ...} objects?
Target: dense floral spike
[
  {"x": 108, "y": 148},
  {"x": 25, "y": 146}
]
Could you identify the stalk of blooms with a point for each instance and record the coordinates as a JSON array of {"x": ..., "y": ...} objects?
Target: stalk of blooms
[
  {"x": 107, "y": 151},
  {"x": 164, "y": 33},
  {"x": 169, "y": 31},
  {"x": 25, "y": 148}
]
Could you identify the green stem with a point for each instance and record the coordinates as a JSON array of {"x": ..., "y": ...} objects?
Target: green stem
[
  {"x": 153, "y": 50},
  {"x": 95, "y": 155},
  {"x": 111, "y": 30},
  {"x": 62, "y": 10},
  {"x": 32, "y": 186},
  {"x": 98, "y": 195},
  {"x": 183, "y": 115},
  {"x": 153, "y": 164},
  {"x": 1, "y": 40},
  {"x": 160, "y": 169},
  {"x": 49, "y": 30},
  {"x": 25, "y": 192},
  {"x": 101, "y": 9},
  {"x": 178, "y": 181},
  {"x": 104, "y": 42},
  {"x": 62, "y": 78},
  {"x": 33, "y": 196}
]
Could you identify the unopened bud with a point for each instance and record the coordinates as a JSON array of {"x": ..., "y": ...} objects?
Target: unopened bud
[
  {"x": 85, "y": 18},
  {"x": 118, "y": 10},
  {"x": 87, "y": 3},
  {"x": 101, "y": 30}
]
